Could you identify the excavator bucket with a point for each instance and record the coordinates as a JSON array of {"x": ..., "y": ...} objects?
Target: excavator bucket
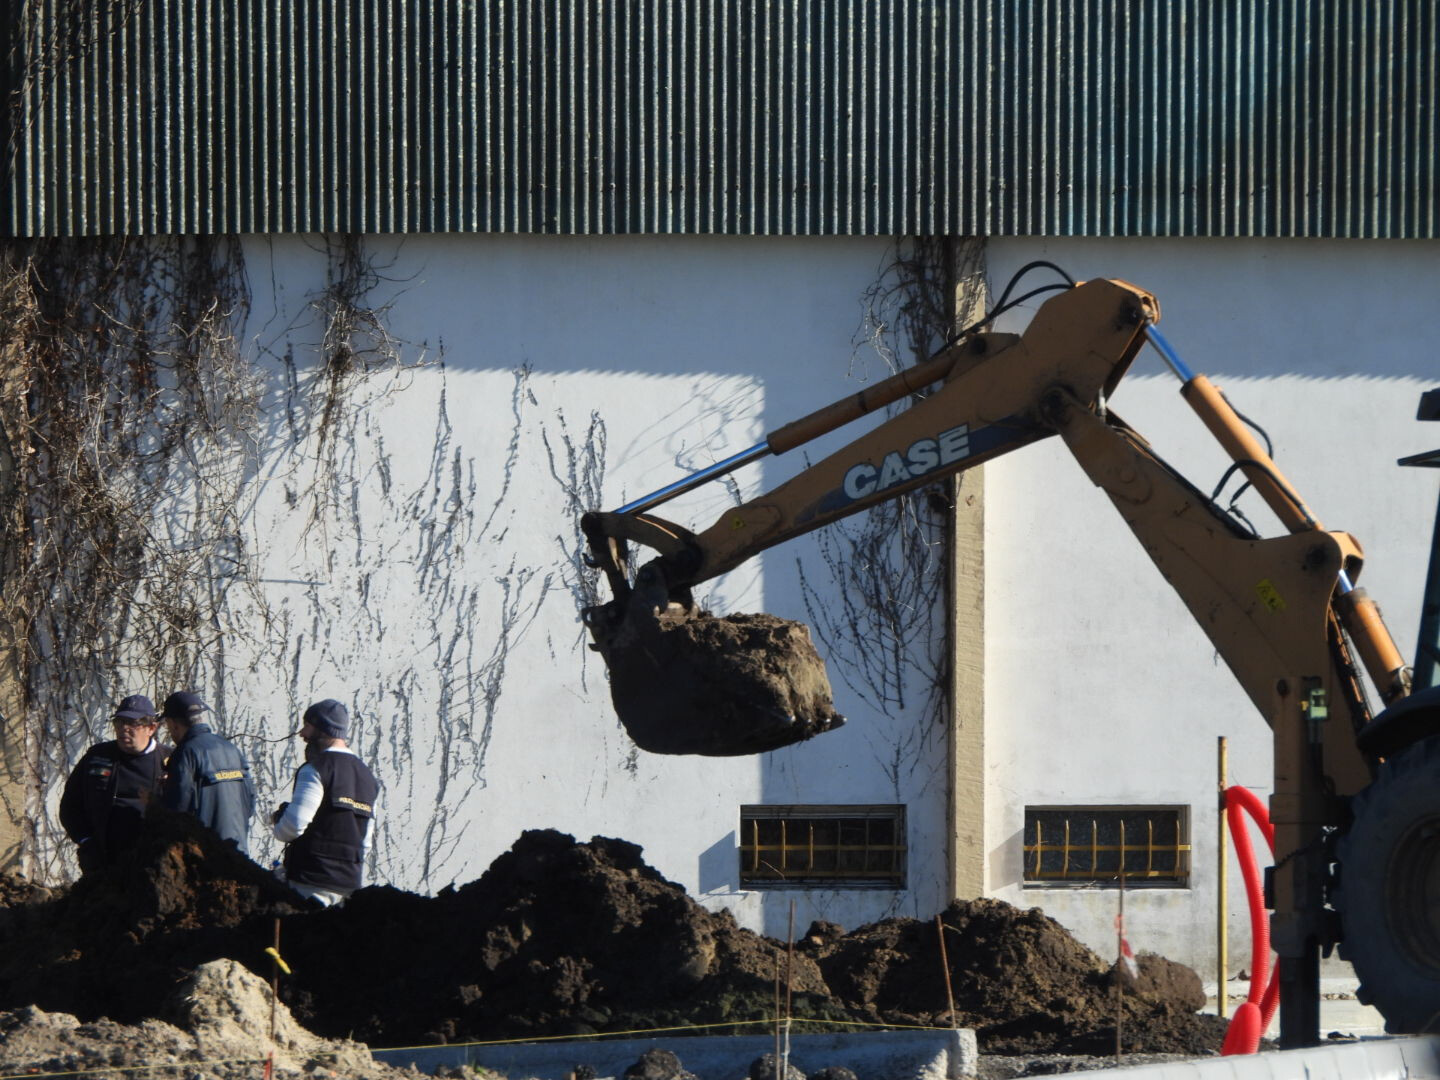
[{"x": 687, "y": 682}]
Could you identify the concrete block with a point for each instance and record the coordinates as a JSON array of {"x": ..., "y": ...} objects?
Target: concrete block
[{"x": 893, "y": 1055}]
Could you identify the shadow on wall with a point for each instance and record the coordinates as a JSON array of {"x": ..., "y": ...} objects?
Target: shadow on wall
[
  {"x": 1006, "y": 863},
  {"x": 719, "y": 867}
]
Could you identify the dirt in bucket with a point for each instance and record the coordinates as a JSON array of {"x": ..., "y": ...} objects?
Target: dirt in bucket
[{"x": 688, "y": 682}]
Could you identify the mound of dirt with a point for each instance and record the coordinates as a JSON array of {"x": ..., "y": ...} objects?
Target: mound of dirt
[
  {"x": 564, "y": 938},
  {"x": 1017, "y": 977},
  {"x": 688, "y": 682},
  {"x": 117, "y": 944},
  {"x": 556, "y": 938}
]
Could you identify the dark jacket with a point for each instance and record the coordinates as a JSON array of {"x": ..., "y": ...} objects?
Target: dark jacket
[
  {"x": 106, "y": 797},
  {"x": 330, "y": 852},
  {"x": 209, "y": 778}
]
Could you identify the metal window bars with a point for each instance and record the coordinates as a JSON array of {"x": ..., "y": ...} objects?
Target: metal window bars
[
  {"x": 823, "y": 849},
  {"x": 1103, "y": 852}
]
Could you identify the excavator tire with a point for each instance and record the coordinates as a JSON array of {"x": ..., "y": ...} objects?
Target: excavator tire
[
  {"x": 1389, "y": 890},
  {"x": 686, "y": 682}
]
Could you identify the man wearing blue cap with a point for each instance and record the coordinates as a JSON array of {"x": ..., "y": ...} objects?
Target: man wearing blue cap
[
  {"x": 328, "y": 823},
  {"x": 208, "y": 776},
  {"x": 113, "y": 785}
]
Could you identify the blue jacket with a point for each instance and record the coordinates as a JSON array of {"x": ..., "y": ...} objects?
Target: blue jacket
[{"x": 209, "y": 778}]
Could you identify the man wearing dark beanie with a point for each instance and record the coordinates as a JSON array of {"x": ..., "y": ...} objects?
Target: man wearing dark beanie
[{"x": 328, "y": 823}]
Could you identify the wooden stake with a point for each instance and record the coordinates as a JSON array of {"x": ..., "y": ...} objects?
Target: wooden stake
[
  {"x": 945, "y": 967},
  {"x": 777, "y": 1011},
  {"x": 789, "y": 959},
  {"x": 784, "y": 1073},
  {"x": 1120, "y": 952}
]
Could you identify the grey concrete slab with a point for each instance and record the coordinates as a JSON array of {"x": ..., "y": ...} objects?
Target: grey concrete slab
[{"x": 892, "y": 1055}]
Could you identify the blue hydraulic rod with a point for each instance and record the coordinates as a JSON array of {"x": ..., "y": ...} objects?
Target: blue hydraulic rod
[
  {"x": 1164, "y": 348},
  {"x": 696, "y": 479},
  {"x": 909, "y": 380}
]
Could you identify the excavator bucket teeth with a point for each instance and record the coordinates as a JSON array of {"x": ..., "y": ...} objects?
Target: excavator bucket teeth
[{"x": 686, "y": 682}]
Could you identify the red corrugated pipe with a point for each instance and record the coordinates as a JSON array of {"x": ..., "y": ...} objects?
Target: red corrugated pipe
[{"x": 1252, "y": 1019}]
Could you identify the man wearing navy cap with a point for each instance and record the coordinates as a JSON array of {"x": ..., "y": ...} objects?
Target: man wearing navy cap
[
  {"x": 208, "y": 776},
  {"x": 113, "y": 785},
  {"x": 328, "y": 823}
]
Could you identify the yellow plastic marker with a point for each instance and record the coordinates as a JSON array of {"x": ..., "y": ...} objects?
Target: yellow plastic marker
[{"x": 270, "y": 952}]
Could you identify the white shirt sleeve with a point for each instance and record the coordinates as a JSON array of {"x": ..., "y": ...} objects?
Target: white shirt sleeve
[
  {"x": 304, "y": 802},
  {"x": 370, "y": 831}
]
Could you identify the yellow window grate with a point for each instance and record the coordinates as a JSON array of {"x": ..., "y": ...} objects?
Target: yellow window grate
[
  {"x": 825, "y": 846},
  {"x": 1097, "y": 845}
]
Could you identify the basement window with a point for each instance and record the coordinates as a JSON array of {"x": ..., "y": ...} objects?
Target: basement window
[
  {"x": 1093, "y": 845},
  {"x": 822, "y": 847}
]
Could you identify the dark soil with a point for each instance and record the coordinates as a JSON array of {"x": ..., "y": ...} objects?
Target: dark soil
[
  {"x": 559, "y": 938},
  {"x": 688, "y": 682}
]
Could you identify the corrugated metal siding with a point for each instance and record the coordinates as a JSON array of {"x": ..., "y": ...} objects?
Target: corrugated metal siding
[{"x": 1007, "y": 117}]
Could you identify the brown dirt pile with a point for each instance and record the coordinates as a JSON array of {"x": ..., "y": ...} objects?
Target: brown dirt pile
[
  {"x": 1018, "y": 978},
  {"x": 118, "y": 944},
  {"x": 689, "y": 682},
  {"x": 560, "y": 937}
]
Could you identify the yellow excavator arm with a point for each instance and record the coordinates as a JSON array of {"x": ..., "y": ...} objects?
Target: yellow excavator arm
[
  {"x": 1283, "y": 612},
  {"x": 1263, "y": 606}
]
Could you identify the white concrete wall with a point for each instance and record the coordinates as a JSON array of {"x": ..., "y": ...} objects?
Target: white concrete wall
[
  {"x": 430, "y": 575},
  {"x": 438, "y": 589},
  {"x": 1100, "y": 689}
]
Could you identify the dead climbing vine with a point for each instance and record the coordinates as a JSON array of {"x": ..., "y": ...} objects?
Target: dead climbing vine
[
  {"x": 373, "y": 583},
  {"x": 137, "y": 433},
  {"x": 879, "y": 617},
  {"x": 355, "y": 345},
  {"x": 130, "y": 419},
  {"x": 577, "y": 465}
]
